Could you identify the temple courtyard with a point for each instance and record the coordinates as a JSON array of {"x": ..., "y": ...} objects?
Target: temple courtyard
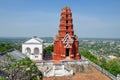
[{"x": 93, "y": 75}]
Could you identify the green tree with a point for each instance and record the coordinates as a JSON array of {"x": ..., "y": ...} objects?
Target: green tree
[
  {"x": 113, "y": 66},
  {"x": 23, "y": 69},
  {"x": 89, "y": 56},
  {"x": 102, "y": 62},
  {"x": 4, "y": 47},
  {"x": 48, "y": 49}
]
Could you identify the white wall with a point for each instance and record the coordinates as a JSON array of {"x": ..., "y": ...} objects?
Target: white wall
[
  {"x": 32, "y": 47},
  {"x": 36, "y": 57}
]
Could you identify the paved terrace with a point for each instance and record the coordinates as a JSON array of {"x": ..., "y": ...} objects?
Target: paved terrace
[{"x": 94, "y": 75}]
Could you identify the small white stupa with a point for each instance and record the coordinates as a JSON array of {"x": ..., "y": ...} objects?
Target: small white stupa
[{"x": 33, "y": 48}]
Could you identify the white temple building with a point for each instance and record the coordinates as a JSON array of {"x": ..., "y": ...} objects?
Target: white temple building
[{"x": 33, "y": 48}]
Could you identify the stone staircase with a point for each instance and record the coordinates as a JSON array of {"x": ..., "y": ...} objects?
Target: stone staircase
[{"x": 58, "y": 70}]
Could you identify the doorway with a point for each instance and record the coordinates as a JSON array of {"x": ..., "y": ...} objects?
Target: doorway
[{"x": 67, "y": 52}]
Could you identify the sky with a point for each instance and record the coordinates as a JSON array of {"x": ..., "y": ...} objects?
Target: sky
[{"x": 91, "y": 18}]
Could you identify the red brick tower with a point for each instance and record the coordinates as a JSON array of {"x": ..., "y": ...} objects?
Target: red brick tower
[{"x": 66, "y": 43}]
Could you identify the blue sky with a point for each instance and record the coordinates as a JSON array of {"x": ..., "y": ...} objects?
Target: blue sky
[{"x": 91, "y": 18}]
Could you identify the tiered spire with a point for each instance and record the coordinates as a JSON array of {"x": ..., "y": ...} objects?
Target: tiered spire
[
  {"x": 66, "y": 25},
  {"x": 66, "y": 43}
]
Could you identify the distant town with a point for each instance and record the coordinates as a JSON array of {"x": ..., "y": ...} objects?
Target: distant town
[{"x": 109, "y": 48}]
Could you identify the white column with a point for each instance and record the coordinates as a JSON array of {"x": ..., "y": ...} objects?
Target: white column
[
  {"x": 54, "y": 70},
  {"x": 63, "y": 68}
]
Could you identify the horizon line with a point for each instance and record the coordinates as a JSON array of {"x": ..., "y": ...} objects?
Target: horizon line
[{"x": 53, "y": 37}]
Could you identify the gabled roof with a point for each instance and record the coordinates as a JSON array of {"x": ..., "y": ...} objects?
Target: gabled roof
[{"x": 34, "y": 40}]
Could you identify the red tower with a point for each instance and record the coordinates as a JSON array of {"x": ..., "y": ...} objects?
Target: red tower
[{"x": 66, "y": 43}]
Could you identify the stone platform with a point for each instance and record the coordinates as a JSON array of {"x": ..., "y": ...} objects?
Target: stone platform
[
  {"x": 63, "y": 67},
  {"x": 93, "y": 75}
]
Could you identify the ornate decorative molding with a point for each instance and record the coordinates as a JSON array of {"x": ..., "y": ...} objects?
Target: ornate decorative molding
[{"x": 67, "y": 40}]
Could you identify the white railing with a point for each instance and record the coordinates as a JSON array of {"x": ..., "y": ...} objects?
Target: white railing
[
  {"x": 47, "y": 71},
  {"x": 118, "y": 77},
  {"x": 58, "y": 70},
  {"x": 101, "y": 69}
]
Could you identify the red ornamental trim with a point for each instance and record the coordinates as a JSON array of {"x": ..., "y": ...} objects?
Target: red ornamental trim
[
  {"x": 63, "y": 55},
  {"x": 71, "y": 55}
]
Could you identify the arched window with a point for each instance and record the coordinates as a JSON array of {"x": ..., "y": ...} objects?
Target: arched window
[
  {"x": 28, "y": 50},
  {"x": 36, "y": 50}
]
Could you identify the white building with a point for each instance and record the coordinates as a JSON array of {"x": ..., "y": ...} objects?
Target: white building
[{"x": 33, "y": 48}]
